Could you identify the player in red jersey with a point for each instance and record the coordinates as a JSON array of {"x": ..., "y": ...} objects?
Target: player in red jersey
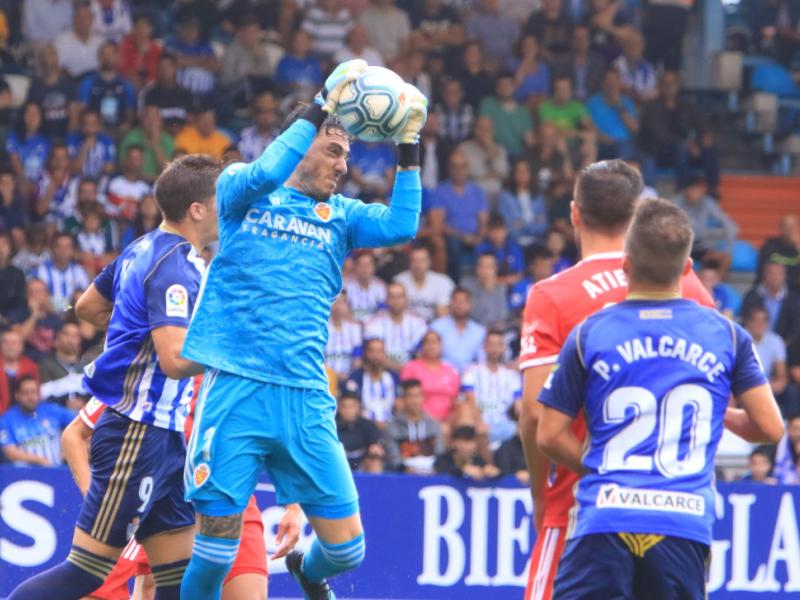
[
  {"x": 247, "y": 579},
  {"x": 604, "y": 199}
]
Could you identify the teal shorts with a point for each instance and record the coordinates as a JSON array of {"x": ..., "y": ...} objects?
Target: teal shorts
[{"x": 243, "y": 426}]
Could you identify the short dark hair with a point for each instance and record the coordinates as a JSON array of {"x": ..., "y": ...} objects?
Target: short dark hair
[
  {"x": 606, "y": 193},
  {"x": 494, "y": 331},
  {"x": 711, "y": 264},
  {"x": 191, "y": 178},
  {"x": 350, "y": 395},
  {"x": 764, "y": 450},
  {"x": 134, "y": 148},
  {"x": 538, "y": 252},
  {"x": 751, "y": 310},
  {"x": 658, "y": 242},
  {"x": 62, "y": 234},
  {"x": 408, "y": 384},
  {"x": 372, "y": 340},
  {"x": 464, "y": 432},
  {"x": 331, "y": 122},
  {"x": 22, "y": 379},
  {"x": 496, "y": 220},
  {"x": 462, "y": 290}
]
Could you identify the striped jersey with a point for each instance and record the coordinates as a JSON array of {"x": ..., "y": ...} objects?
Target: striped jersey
[
  {"x": 343, "y": 347},
  {"x": 155, "y": 284},
  {"x": 377, "y": 394},
  {"x": 495, "y": 391},
  {"x": 327, "y": 31},
  {"x": 399, "y": 339},
  {"x": 62, "y": 283},
  {"x": 364, "y": 302},
  {"x": 38, "y": 432}
]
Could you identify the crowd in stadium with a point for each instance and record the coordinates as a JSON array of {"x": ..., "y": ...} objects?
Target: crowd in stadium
[{"x": 423, "y": 339}]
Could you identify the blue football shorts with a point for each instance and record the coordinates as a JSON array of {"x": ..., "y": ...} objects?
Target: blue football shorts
[{"x": 243, "y": 426}]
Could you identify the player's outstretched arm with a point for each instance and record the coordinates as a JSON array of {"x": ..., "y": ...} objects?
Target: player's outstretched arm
[
  {"x": 375, "y": 225},
  {"x": 74, "y": 446},
  {"x": 759, "y": 419},
  {"x": 241, "y": 184}
]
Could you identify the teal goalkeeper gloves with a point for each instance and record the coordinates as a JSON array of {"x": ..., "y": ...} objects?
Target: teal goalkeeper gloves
[
  {"x": 417, "y": 115},
  {"x": 344, "y": 73}
]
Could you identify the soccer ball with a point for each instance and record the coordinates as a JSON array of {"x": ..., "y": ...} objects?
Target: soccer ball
[{"x": 374, "y": 106}]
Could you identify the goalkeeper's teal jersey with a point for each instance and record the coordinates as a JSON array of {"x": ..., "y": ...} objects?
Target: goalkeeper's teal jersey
[{"x": 265, "y": 302}]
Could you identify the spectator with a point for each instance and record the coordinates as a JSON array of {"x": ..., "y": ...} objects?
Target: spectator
[
  {"x": 583, "y": 66},
  {"x": 771, "y": 352},
  {"x": 414, "y": 70},
  {"x": 61, "y": 274},
  {"x": 759, "y": 466},
  {"x": 55, "y": 92},
  {"x": 435, "y": 27},
  {"x": 454, "y": 115},
  {"x": 428, "y": 292},
  {"x": 44, "y": 20},
  {"x": 365, "y": 292},
  {"x": 608, "y": 25},
  {"x": 299, "y": 71},
  {"x": 725, "y": 296},
  {"x": 664, "y": 27},
  {"x": 433, "y": 157},
  {"x": 246, "y": 60},
  {"x": 638, "y": 75},
  {"x": 462, "y": 207},
  {"x": 374, "y": 383},
  {"x": 61, "y": 374},
  {"x": 87, "y": 198},
  {"x": 12, "y": 209},
  {"x": 201, "y": 136},
  {"x": 108, "y": 93},
  {"x": 552, "y": 26},
  {"x": 439, "y": 379},
  {"x": 510, "y": 459},
  {"x": 616, "y": 119},
  {"x": 357, "y": 46},
  {"x": 157, "y": 145},
  {"x": 400, "y": 329},
  {"x": 389, "y": 27},
  {"x": 358, "y": 435},
  {"x": 490, "y": 391},
  {"x": 53, "y": 186},
  {"x": 92, "y": 152},
  {"x": 371, "y": 169},
  {"x": 77, "y": 47},
  {"x": 772, "y": 294},
  {"x": 564, "y": 111},
  {"x": 674, "y": 134},
  {"x": 14, "y": 365},
  {"x": 496, "y": 32},
  {"x": 12, "y": 281},
  {"x": 787, "y": 453},
  {"x": 195, "y": 60},
  {"x": 714, "y": 231},
  {"x": 463, "y": 459},
  {"x": 785, "y": 249},
  {"x": 30, "y": 431},
  {"x": 538, "y": 266},
  {"x": 125, "y": 191},
  {"x": 140, "y": 53},
  {"x": 34, "y": 252},
  {"x": 523, "y": 210},
  {"x": 327, "y": 22},
  {"x": 147, "y": 220},
  {"x": 27, "y": 146},
  {"x": 412, "y": 438},
  {"x": 488, "y": 160},
  {"x": 171, "y": 99},
  {"x": 551, "y": 168},
  {"x": 507, "y": 253},
  {"x": 111, "y": 19},
  {"x": 489, "y": 296},
  {"x": 95, "y": 241},
  {"x": 513, "y": 127},
  {"x": 531, "y": 73},
  {"x": 266, "y": 121},
  {"x": 343, "y": 349},
  {"x": 475, "y": 79},
  {"x": 461, "y": 338}
]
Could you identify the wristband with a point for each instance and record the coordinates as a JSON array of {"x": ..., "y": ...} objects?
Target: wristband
[
  {"x": 315, "y": 114},
  {"x": 407, "y": 155}
]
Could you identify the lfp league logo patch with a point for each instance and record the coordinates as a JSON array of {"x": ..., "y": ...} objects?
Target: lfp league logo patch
[{"x": 177, "y": 301}]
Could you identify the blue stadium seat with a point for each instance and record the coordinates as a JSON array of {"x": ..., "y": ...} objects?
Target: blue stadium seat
[{"x": 744, "y": 257}]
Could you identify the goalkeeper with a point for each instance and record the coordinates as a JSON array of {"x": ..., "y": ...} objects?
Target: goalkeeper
[{"x": 260, "y": 329}]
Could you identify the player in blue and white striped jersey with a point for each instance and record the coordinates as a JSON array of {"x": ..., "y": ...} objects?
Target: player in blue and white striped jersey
[
  {"x": 400, "y": 329},
  {"x": 343, "y": 350},
  {"x": 366, "y": 294},
  {"x": 145, "y": 298}
]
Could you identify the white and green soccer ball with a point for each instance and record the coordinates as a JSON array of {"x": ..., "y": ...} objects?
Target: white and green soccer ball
[{"x": 374, "y": 107}]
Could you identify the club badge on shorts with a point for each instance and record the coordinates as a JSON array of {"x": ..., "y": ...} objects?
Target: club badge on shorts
[
  {"x": 323, "y": 211},
  {"x": 201, "y": 474}
]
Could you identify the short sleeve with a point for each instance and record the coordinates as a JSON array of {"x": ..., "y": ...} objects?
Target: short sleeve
[
  {"x": 171, "y": 290},
  {"x": 541, "y": 341},
  {"x": 6, "y": 433},
  {"x": 468, "y": 380},
  {"x": 91, "y": 412},
  {"x": 104, "y": 282},
  {"x": 564, "y": 388},
  {"x": 747, "y": 370}
]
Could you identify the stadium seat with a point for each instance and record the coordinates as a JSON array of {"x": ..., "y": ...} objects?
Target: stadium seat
[{"x": 744, "y": 257}]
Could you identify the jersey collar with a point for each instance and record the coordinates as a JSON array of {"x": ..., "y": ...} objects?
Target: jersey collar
[
  {"x": 603, "y": 256},
  {"x": 654, "y": 296}
]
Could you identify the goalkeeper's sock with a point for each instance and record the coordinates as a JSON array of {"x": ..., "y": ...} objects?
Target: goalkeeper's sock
[
  {"x": 325, "y": 560},
  {"x": 78, "y": 576},
  {"x": 212, "y": 558}
]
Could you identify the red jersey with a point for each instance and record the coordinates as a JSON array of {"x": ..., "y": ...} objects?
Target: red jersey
[{"x": 556, "y": 305}]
